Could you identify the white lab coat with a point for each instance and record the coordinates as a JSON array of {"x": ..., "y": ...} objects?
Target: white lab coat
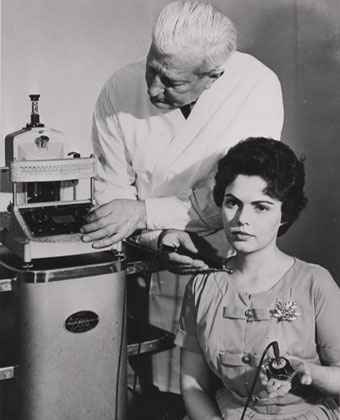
[{"x": 158, "y": 156}]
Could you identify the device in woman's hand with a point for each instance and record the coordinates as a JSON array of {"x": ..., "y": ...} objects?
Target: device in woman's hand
[{"x": 279, "y": 367}]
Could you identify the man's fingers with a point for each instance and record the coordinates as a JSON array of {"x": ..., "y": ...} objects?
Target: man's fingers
[
  {"x": 106, "y": 232},
  {"x": 306, "y": 379},
  {"x": 117, "y": 237},
  {"x": 188, "y": 244},
  {"x": 93, "y": 216},
  {"x": 91, "y": 234},
  {"x": 184, "y": 271},
  {"x": 103, "y": 223},
  {"x": 176, "y": 258},
  {"x": 183, "y": 261},
  {"x": 199, "y": 264}
]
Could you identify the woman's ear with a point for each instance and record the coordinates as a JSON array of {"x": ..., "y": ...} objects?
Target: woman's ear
[
  {"x": 213, "y": 75},
  {"x": 283, "y": 221}
]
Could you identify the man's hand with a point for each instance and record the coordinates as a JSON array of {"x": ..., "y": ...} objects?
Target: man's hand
[
  {"x": 113, "y": 221},
  {"x": 178, "y": 263}
]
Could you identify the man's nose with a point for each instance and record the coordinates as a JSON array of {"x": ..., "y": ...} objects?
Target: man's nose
[{"x": 155, "y": 86}]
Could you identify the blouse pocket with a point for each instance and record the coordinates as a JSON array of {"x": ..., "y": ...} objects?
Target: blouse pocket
[{"x": 238, "y": 370}]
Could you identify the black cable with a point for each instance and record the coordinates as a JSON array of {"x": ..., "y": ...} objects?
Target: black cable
[
  {"x": 256, "y": 377},
  {"x": 140, "y": 340},
  {"x": 122, "y": 335}
]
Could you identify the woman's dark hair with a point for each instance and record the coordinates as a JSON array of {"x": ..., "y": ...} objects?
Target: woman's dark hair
[{"x": 274, "y": 162}]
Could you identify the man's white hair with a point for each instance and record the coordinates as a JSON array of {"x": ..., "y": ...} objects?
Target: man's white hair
[{"x": 189, "y": 25}]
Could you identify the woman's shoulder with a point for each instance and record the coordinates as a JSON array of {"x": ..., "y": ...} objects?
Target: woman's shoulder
[
  {"x": 212, "y": 283},
  {"x": 311, "y": 269},
  {"x": 313, "y": 276}
]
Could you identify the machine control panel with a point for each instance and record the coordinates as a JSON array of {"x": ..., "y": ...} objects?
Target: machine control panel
[{"x": 55, "y": 220}]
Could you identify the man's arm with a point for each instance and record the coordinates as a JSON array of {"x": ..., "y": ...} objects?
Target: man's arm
[
  {"x": 119, "y": 213},
  {"x": 194, "y": 210},
  {"x": 120, "y": 218},
  {"x": 115, "y": 177}
]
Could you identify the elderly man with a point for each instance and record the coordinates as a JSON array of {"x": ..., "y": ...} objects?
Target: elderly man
[{"x": 159, "y": 128}]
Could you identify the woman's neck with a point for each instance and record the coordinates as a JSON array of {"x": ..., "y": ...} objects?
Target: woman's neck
[{"x": 257, "y": 272}]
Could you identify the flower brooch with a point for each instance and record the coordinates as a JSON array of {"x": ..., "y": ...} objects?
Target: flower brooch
[{"x": 285, "y": 311}]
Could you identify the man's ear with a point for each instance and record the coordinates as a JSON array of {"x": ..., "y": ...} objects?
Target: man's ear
[{"x": 213, "y": 75}]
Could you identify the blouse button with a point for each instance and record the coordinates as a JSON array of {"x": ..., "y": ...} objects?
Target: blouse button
[
  {"x": 249, "y": 314},
  {"x": 246, "y": 359}
]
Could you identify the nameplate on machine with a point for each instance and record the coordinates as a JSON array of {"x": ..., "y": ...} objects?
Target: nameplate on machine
[{"x": 81, "y": 321}]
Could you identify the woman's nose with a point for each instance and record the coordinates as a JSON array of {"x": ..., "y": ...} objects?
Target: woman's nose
[{"x": 243, "y": 216}]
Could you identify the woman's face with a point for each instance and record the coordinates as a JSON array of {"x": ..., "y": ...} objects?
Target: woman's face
[{"x": 251, "y": 218}]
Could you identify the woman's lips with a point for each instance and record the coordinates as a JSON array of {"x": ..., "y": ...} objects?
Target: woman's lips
[{"x": 240, "y": 234}]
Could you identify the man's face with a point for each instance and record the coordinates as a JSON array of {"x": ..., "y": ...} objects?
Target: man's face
[{"x": 171, "y": 79}]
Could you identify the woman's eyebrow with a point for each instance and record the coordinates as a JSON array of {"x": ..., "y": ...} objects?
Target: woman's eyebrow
[
  {"x": 263, "y": 202},
  {"x": 233, "y": 197}
]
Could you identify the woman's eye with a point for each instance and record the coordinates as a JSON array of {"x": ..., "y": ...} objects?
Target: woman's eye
[
  {"x": 230, "y": 203},
  {"x": 261, "y": 208}
]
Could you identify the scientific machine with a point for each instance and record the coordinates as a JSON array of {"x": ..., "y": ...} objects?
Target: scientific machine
[{"x": 65, "y": 301}]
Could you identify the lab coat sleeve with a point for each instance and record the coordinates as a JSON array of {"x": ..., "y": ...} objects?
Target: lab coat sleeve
[
  {"x": 195, "y": 212},
  {"x": 115, "y": 175},
  {"x": 265, "y": 111}
]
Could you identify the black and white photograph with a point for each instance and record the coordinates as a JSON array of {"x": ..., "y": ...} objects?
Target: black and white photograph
[{"x": 170, "y": 210}]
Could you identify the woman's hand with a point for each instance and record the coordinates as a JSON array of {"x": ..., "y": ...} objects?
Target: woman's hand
[
  {"x": 275, "y": 387},
  {"x": 302, "y": 370},
  {"x": 278, "y": 387}
]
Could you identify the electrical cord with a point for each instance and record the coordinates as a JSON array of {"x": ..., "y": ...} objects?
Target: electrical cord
[
  {"x": 120, "y": 355},
  {"x": 273, "y": 343},
  {"x": 140, "y": 342},
  {"x": 213, "y": 266}
]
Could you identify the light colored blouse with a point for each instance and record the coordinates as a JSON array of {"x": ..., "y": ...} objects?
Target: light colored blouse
[{"x": 233, "y": 328}]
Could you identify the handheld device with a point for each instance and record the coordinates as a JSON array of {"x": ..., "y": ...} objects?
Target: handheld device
[
  {"x": 216, "y": 263},
  {"x": 278, "y": 366}
]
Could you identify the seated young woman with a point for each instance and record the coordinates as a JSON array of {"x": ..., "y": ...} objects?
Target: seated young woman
[{"x": 229, "y": 318}]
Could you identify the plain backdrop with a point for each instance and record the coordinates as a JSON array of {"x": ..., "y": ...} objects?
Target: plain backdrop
[{"x": 66, "y": 49}]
